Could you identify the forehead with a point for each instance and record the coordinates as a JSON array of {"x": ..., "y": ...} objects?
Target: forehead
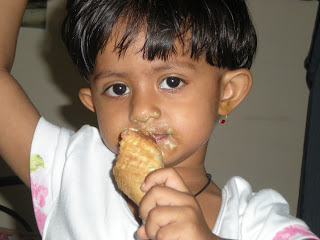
[
  {"x": 133, "y": 65},
  {"x": 112, "y": 59},
  {"x": 134, "y": 55},
  {"x": 152, "y": 44},
  {"x": 141, "y": 44}
]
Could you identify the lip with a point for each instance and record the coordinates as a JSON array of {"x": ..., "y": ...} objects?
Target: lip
[{"x": 160, "y": 137}]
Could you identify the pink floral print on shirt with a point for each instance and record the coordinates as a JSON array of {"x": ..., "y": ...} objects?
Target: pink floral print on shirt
[
  {"x": 40, "y": 218},
  {"x": 39, "y": 194},
  {"x": 294, "y": 232},
  {"x": 39, "y": 191}
]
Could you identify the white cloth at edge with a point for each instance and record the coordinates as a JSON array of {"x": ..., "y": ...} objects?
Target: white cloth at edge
[{"x": 75, "y": 197}]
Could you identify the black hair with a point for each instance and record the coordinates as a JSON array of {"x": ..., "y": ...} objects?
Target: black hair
[{"x": 220, "y": 30}]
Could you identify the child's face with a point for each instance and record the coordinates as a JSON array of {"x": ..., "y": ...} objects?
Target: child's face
[{"x": 176, "y": 100}]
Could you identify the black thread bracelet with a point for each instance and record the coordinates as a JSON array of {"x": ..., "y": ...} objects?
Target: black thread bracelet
[{"x": 208, "y": 175}]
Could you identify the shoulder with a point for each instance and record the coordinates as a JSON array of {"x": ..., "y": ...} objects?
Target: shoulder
[
  {"x": 55, "y": 145},
  {"x": 48, "y": 134},
  {"x": 45, "y": 127},
  {"x": 245, "y": 214},
  {"x": 239, "y": 190}
]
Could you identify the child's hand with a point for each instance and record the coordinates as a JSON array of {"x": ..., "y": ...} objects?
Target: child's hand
[{"x": 169, "y": 210}]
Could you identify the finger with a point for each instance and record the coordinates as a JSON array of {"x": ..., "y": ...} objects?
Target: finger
[
  {"x": 142, "y": 232},
  {"x": 160, "y": 217},
  {"x": 178, "y": 231},
  {"x": 171, "y": 231},
  {"x": 176, "y": 223},
  {"x": 168, "y": 177},
  {"x": 159, "y": 196}
]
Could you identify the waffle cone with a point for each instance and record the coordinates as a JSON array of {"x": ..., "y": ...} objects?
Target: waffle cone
[{"x": 139, "y": 155}]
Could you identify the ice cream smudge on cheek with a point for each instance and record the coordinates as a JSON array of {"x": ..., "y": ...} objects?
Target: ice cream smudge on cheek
[{"x": 170, "y": 145}]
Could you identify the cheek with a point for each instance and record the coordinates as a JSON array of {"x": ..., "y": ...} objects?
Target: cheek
[
  {"x": 193, "y": 126},
  {"x": 196, "y": 118},
  {"x": 110, "y": 139},
  {"x": 200, "y": 125},
  {"x": 111, "y": 124}
]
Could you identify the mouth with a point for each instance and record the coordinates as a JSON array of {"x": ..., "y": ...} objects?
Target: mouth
[
  {"x": 166, "y": 142},
  {"x": 160, "y": 137},
  {"x": 164, "y": 136}
]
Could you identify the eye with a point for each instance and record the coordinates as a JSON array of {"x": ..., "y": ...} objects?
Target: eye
[
  {"x": 171, "y": 83},
  {"x": 118, "y": 89}
]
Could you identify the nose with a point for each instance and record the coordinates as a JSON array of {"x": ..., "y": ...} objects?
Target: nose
[{"x": 144, "y": 106}]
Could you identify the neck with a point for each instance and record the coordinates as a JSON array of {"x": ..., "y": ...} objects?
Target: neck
[
  {"x": 194, "y": 178},
  {"x": 190, "y": 175},
  {"x": 192, "y": 169}
]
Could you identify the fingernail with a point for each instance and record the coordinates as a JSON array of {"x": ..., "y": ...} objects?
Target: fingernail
[{"x": 142, "y": 186}]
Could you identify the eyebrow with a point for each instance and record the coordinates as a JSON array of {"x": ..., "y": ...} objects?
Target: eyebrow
[
  {"x": 171, "y": 64},
  {"x": 109, "y": 73},
  {"x": 158, "y": 68}
]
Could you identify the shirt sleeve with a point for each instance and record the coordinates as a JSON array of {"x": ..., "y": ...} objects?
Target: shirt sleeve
[
  {"x": 268, "y": 213},
  {"x": 264, "y": 215},
  {"x": 47, "y": 158},
  {"x": 267, "y": 216}
]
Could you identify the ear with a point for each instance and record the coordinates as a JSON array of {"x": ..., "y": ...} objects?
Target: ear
[
  {"x": 235, "y": 86},
  {"x": 86, "y": 98}
]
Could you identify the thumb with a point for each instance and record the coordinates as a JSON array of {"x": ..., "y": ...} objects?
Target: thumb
[{"x": 141, "y": 232}]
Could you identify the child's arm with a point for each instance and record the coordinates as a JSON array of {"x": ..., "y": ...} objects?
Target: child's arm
[
  {"x": 175, "y": 216},
  {"x": 18, "y": 117}
]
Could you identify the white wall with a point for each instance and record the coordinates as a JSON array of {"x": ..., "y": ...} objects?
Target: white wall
[{"x": 261, "y": 141}]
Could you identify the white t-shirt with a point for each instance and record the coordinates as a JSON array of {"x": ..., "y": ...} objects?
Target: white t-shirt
[{"x": 75, "y": 197}]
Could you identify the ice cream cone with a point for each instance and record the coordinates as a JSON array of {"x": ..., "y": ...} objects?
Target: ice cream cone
[{"x": 139, "y": 155}]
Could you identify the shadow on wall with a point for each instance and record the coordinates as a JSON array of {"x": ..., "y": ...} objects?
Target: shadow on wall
[{"x": 63, "y": 72}]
